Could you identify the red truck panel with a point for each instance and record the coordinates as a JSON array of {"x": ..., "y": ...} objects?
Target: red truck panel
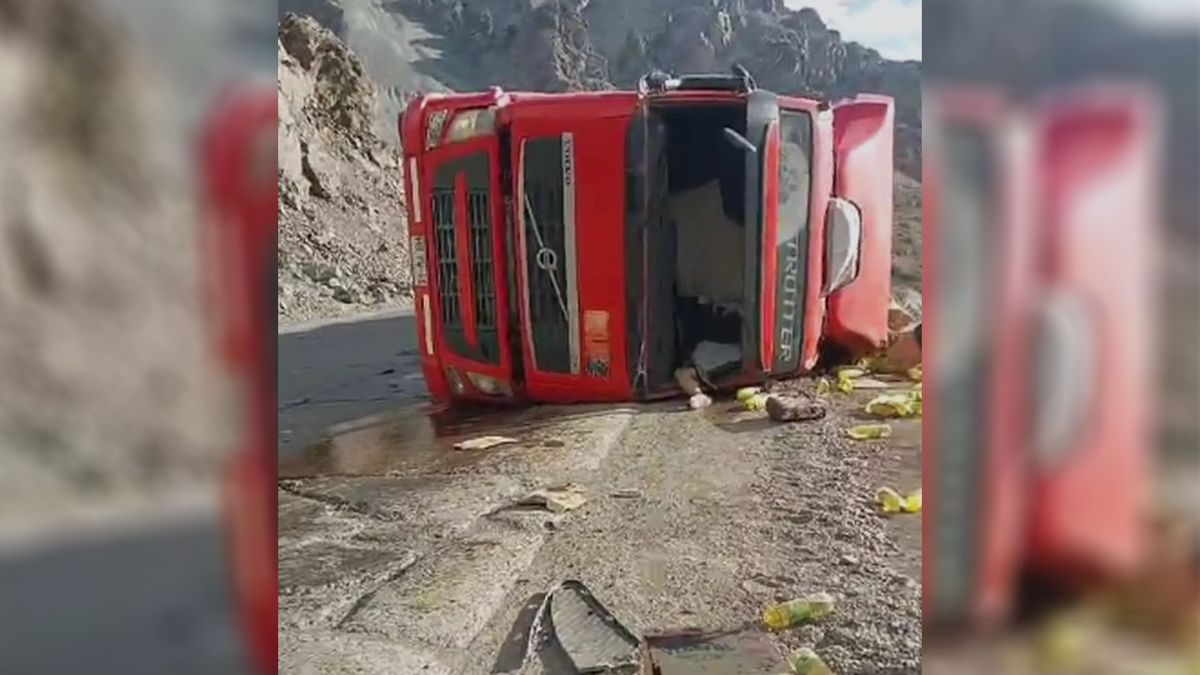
[
  {"x": 421, "y": 170},
  {"x": 242, "y": 201},
  {"x": 770, "y": 250},
  {"x": 1096, "y": 157},
  {"x": 863, "y": 131},
  {"x": 822, "y": 186},
  {"x": 596, "y": 126}
]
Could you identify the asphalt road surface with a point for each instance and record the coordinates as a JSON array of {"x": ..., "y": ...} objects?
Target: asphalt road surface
[
  {"x": 144, "y": 599},
  {"x": 331, "y": 374}
]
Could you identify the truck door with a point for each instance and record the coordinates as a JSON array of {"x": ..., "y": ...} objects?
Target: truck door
[
  {"x": 770, "y": 255},
  {"x": 804, "y": 177},
  {"x": 457, "y": 239},
  {"x": 860, "y": 292}
]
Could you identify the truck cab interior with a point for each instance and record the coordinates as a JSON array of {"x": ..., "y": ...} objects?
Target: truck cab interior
[{"x": 697, "y": 241}]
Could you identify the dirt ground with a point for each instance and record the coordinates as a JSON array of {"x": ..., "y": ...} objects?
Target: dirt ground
[{"x": 400, "y": 557}]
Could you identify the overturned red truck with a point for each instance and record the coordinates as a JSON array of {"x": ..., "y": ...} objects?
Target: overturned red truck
[
  {"x": 1037, "y": 449},
  {"x": 583, "y": 246}
]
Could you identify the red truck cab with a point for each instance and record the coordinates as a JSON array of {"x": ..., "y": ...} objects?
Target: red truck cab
[
  {"x": 1039, "y": 321},
  {"x": 583, "y": 246},
  {"x": 237, "y": 165}
]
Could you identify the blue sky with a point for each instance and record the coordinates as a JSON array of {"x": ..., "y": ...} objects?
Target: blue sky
[{"x": 893, "y": 27}]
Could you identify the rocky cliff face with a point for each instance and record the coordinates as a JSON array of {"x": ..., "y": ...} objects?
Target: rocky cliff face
[
  {"x": 341, "y": 246},
  {"x": 347, "y": 68},
  {"x": 106, "y": 387},
  {"x": 562, "y": 45}
]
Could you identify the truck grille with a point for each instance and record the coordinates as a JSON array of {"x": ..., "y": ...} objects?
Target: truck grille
[
  {"x": 447, "y": 258},
  {"x": 546, "y": 253},
  {"x": 475, "y": 170},
  {"x": 479, "y": 216}
]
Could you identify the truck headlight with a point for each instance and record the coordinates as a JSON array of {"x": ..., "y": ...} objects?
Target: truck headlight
[
  {"x": 456, "y": 383},
  {"x": 489, "y": 385}
]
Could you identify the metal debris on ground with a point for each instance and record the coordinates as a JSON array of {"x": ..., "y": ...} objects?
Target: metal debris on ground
[
  {"x": 556, "y": 499},
  {"x": 793, "y": 409},
  {"x": 737, "y": 651},
  {"x": 805, "y": 661},
  {"x": 588, "y": 635},
  {"x": 484, "y": 443},
  {"x": 627, "y": 493},
  {"x": 799, "y": 611},
  {"x": 864, "y": 432}
]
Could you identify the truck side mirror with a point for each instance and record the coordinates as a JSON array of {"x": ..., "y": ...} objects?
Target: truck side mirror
[
  {"x": 1065, "y": 359},
  {"x": 843, "y": 243}
]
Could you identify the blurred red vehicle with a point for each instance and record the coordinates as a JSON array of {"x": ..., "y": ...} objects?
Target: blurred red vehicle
[
  {"x": 1039, "y": 304},
  {"x": 582, "y": 246},
  {"x": 238, "y": 160}
]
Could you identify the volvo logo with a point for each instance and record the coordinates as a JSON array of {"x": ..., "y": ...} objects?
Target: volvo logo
[
  {"x": 568, "y": 160},
  {"x": 546, "y": 259},
  {"x": 788, "y": 301}
]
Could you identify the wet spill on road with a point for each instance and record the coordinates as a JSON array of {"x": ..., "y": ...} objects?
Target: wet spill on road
[{"x": 418, "y": 439}]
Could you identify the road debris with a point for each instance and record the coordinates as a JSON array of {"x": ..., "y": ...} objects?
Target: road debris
[
  {"x": 627, "y": 493},
  {"x": 689, "y": 381},
  {"x": 756, "y": 403},
  {"x": 792, "y": 409},
  {"x": 864, "y": 432},
  {"x": 746, "y": 393},
  {"x": 805, "y": 661},
  {"x": 728, "y": 651},
  {"x": 799, "y": 611},
  {"x": 907, "y": 404},
  {"x": 845, "y": 381},
  {"x": 877, "y": 383},
  {"x": 1060, "y": 644},
  {"x": 902, "y": 353},
  {"x": 484, "y": 443},
  {"x": 557, "y": 499},
  {"x": 585, "y": 631},
  {"x": 891, "y": 502}
]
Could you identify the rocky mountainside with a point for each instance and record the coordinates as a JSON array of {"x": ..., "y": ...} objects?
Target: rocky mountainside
[
  {"x": 559, "y": 45},
  {"x": 347, "y": 67},
  {"x": 108, "y": 394},
  {"x": 341, "y": 247}
]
